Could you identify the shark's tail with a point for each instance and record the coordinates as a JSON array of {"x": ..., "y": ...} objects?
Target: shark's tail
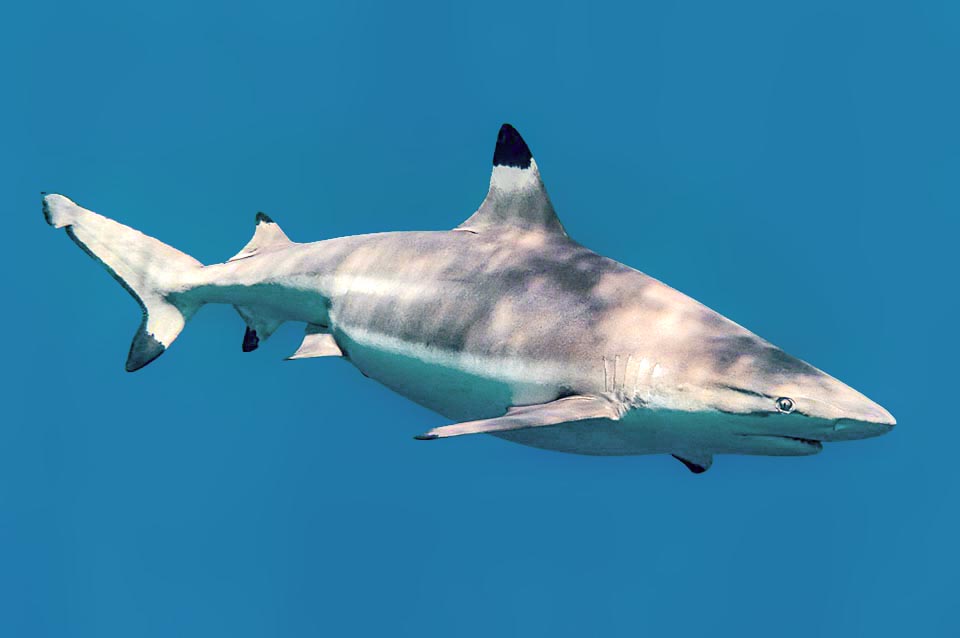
[{"x": 155, "y": 274}]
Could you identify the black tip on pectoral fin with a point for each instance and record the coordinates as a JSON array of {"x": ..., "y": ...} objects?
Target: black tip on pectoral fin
[
  {"x": 250, "y": 340},
  {"x": 264, "y": 218},
  {"x": 696, "y": 468},
  {"x": 511, "y": 149},
  {"x": 426, "y": 437}
]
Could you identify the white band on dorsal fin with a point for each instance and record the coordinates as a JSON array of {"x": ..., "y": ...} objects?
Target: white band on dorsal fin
[{"x": 512, "y": 180}]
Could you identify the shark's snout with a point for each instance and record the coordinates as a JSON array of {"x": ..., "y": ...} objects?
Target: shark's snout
[
  {"x": 847, "y": 406},
  {"x": 878, "y": 415},
  {"x": 816, "y": 405},
  {"x": 857, "y": 418},
  {"x": 851, "y": 429},
  {"x": 870, "y": 419},
  {"x": 817, "y": 394}
]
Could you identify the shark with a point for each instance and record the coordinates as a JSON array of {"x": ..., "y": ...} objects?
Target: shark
[{"x": 504, "y": 325}]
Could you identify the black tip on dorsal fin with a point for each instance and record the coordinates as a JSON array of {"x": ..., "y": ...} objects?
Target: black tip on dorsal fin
[
  {"x": 511, "y": 149},
  {"x": 264, "y": 218}
]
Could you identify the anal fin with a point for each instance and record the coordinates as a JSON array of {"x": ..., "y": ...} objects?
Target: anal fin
[
  {"x": 316, "y": 343},
  {"x": 250, "y": 340},
  {"x": 565, "y": 410},
  {"x": 259, "y": 327}
]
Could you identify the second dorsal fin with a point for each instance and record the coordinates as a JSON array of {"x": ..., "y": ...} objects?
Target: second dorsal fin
[
  {"x": 267, "y": 234},
  {"x": 517, "y": 196}
]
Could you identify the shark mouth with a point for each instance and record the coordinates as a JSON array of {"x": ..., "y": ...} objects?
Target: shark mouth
[
  {"x": 811, "y": 442},
  {"x": 779, "y": 445}
]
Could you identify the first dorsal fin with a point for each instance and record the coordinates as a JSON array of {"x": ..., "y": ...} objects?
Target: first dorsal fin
[
  {"x": 517, "y": 196},
  {"x": 267, "y": 234}
]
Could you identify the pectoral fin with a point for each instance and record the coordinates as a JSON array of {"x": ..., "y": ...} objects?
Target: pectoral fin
[
  {"x": 566, "y": 410},
  {"x": 696, "y": 462},
  {"x": 317, "y": 344}
]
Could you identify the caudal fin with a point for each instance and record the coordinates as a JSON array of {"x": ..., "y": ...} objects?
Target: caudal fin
[{"x": 155, "y": 274}]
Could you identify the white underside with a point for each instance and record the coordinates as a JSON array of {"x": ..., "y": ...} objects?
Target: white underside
[{"x": 464, "y": 387}]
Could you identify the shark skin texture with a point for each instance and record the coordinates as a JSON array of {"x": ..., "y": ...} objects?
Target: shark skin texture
[{"x": 504, "y": 325}]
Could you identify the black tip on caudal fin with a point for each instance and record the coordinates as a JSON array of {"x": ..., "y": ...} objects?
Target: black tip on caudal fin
[
  {"x": 511, "y": 150},
  {"x": 146, "y": 267},
  {"x": 144, "y": 349}
]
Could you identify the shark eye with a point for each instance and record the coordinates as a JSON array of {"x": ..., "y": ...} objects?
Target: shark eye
[{"x": 785, "y": 405}]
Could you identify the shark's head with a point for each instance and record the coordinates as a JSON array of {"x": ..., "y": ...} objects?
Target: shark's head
[
  {"x": 701, "y": 367},
  {"x": 777, "y": 399}
]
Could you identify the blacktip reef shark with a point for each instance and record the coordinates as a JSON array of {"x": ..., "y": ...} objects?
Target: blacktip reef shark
[{"x": 504, "y": 325}]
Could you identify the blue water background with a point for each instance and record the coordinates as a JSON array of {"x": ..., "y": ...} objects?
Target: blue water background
[{"x": 792, "y": 165}]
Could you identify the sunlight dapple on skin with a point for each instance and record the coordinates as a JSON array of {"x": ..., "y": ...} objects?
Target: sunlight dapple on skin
[{"x": 503, "y": 324}]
